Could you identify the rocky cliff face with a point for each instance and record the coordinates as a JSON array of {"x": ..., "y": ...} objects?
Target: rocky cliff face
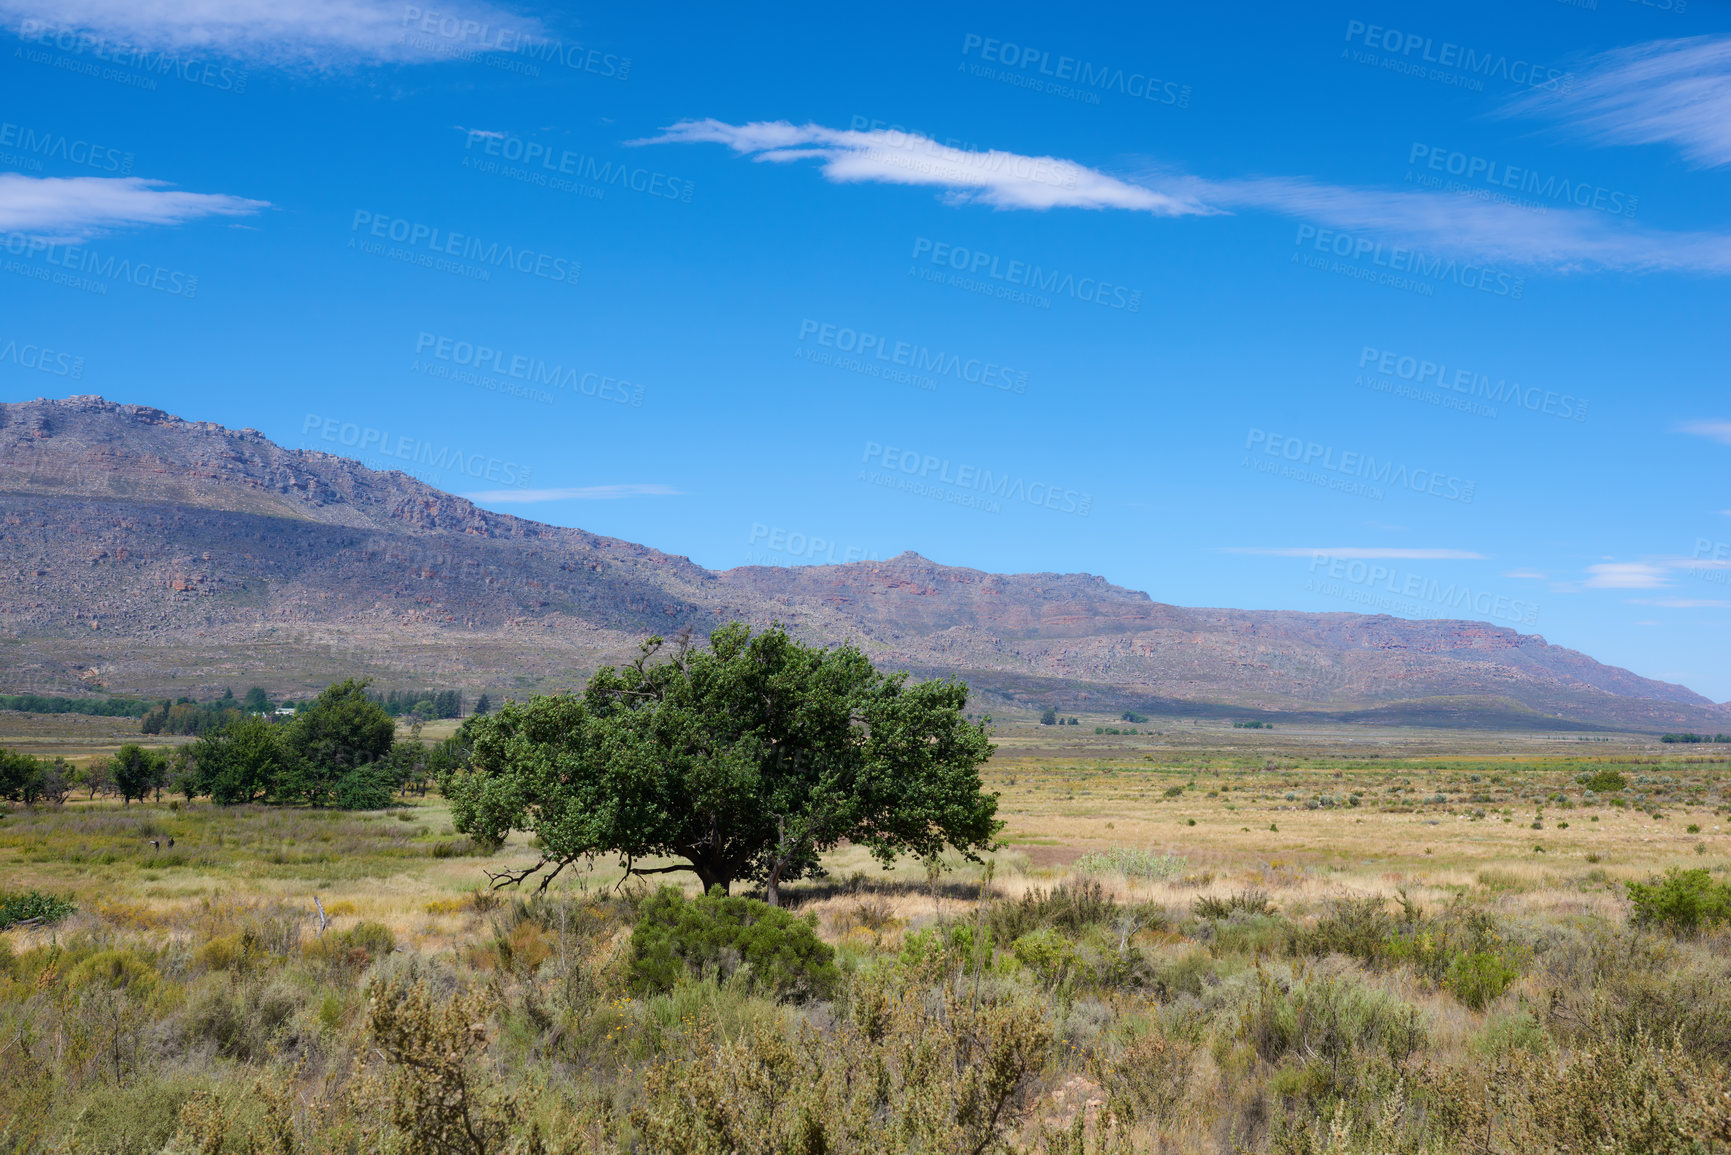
[{"x": 154, "y": 555}]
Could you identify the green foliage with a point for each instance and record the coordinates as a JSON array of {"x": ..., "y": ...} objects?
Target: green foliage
[
  {"x": 1693, "y": 738},
  {"x": 364, "y": 788},
  {"x": 32, "y": 780},
  {"x": 98, "y": 707},
  {"x": 1072, "y": 908},
  {"x": 340, "y": 731},
  {"x": 747, "y": 760},
  {"x": 189, "y": 717},
  {"x": 1683, "y": 902},
  {"x": 241, "y": 762},
  {"x": 1131, "y": 863},
  {"x": 1477, "y": 977},
  {"x": 1049, "y": 717},
  {"x": 32, "y": 904},
  {"x": 421, "y": 703},
  {"x": 1132, "y": 716},
  {"x": 138, "y": 771},
  {"x": 1605, "y": 781},
  {"x": 717, "y": 936},
  {"x": 1245, "y": 901}
]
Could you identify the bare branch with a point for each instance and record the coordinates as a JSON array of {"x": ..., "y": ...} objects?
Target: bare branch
[{"x": 513, "y": 877}]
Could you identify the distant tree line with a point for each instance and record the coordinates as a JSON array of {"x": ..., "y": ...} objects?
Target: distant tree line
[
  {"x": 1695, "y": 738},
  {"x": 421, "y": 703},
  {"x": 1050, "y": 718},
  {"x": 101, "y": 707},
  {"x": 338, "y": 750}
]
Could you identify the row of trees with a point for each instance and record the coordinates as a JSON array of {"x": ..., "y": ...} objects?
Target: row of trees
[{"x": 339, "y": 751}]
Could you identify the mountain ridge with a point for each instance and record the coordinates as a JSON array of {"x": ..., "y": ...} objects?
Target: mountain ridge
[{"x": 157, "y": 555}]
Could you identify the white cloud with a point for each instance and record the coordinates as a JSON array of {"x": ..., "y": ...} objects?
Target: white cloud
[
  {"x": 1565, "y": 240},
  {"x": 75, "y": 208},
  {"x": 581, "y": 493},
  {"x": 285, "y": 31},
  {"x": 1674, "y": 92},
  {"x": 1627, "y": 575},
  {"x": 1354, "y": 551},
  {"x": 1682, "y": 603},
  {"x": 1004, "y": 180},
  {"x": 1529, "y": 574},
  {"x": 1717, "y": 430}
]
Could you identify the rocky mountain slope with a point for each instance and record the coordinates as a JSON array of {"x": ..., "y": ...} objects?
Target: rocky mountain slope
[{"x": 151, "y": 555}]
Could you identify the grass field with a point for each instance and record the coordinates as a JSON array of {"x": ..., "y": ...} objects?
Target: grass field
[{"x": 1346, "y": 940}]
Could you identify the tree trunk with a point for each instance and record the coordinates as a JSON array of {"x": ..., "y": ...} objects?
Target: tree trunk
[{"x": 711, "y": 876}]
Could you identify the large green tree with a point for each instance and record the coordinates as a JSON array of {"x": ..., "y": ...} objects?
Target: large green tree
[
  {"x": 746, "y": 760},
  {"x": 241, "y": 762},
  {"x": 340, "y": 732}
]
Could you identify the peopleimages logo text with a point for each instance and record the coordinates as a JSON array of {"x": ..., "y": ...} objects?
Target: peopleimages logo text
[
  {"x": 557, "y": 162},
  {"x": 35, "y": 145},
  {"x": 1447, "y": 54},
  {"x": 1503, "y": 392},
  {"x": 1397, "y": 583},
  {"x": 1363, "y": 466},
  {"x": 419, "y": 452},
  {"x": 464, "y": 247},
  {"x": 523, "y": 367},
  {"x": 1516, "y": 178},
  {"x": 1003, "y": 486},
  {"x": 918, "y": 358},
  {"x": 1103, "y": 78},
  {"x": 1399, "y": 259},
  {"x": 977, "y": 263}
]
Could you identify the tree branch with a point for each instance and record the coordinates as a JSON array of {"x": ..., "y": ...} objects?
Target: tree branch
[{"x": 513, "y": 877}]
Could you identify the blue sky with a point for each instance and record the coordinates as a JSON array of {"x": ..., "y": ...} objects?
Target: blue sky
[{"x": 1417, "y": 309}]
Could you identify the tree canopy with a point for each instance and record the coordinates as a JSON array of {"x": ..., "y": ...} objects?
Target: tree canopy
[{"x": 747, "y": 760}]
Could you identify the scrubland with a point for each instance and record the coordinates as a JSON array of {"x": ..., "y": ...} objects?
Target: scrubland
[{"x": 1238, "y": 949}]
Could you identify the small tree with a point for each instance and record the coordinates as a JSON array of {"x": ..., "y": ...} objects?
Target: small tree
[
  {"x": 1050, "y": 717},
  {"x": 138, "y": 771},
  {"x": 483, "y": 706},
  {"x": 257, "y": 701},
  {"x": 747, "y": 760}
]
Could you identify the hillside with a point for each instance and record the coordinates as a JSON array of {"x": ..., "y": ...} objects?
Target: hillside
[{"x": 150, "y": 555}]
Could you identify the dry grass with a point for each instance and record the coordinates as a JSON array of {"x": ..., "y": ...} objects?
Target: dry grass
[{"x": 1165, "y": 991}]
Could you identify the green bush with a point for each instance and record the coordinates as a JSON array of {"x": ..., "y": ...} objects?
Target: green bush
[
  {"x": 1683, "y": 902},
  {"x": 1248, "y": 901},
  {"x": 1478, "y": 977},
  {"x": 32, "y": 904},
  {"x": 718, "y": 935},
  {"x": 1073, "y": 909},
  {"x": 1605, "y": 781},
  {"x": 363, "y": 788}
]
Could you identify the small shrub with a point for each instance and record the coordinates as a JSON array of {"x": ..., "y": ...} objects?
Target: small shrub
[
  {"x": 1131, "y": 863},
  {"x": 1477, "y": 978},
  {"x": 717, "y": 935},
  {"x": 1606, "y": 782},
  {"x": 1248, "y": 901},
  {"x": 364, "y": 788},
  {"x": 31, "y": 905},
  {"x": 1683, "y": 902}
]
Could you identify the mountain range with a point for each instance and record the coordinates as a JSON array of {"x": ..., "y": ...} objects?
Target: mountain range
[{"x": 146, "y": 555}]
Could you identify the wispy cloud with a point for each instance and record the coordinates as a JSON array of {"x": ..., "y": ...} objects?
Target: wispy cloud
[
  {"x": 1561, "y": 241},
  {"x": 1717, "y": 430},
  {"x": 318, "y": 32},
  {"x": 1627, "y": 575},
  {"x": 1674, "y": 92},
  {"x": 1682, "y": 603},
  {"x": 1004, "y": 180},
  {"x": 72, "y": 209},
  {"x": 581, "y": 493},
  {"x": 1357, "y": 551},
  {"x": 1528, "y": 574}
]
